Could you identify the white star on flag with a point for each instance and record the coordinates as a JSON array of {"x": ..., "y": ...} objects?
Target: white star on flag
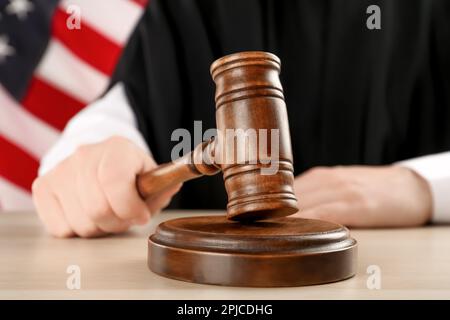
[
  {"x": 5, "y": 49},
  {"x": 21, "y": 8}
]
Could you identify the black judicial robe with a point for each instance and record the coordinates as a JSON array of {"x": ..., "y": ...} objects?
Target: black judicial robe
[{"x": 354, "y": 95}]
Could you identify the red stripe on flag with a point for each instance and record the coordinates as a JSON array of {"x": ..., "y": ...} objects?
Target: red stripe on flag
[
  {"x": 142, "y": 3},
  {"x": 87, "y": 43},
  {"x": 16, "y": 165},
  {"x": 50, "y": 104}
]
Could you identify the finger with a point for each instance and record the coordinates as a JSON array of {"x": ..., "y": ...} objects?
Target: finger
[
  {"x": 338, "y": 212},
  {"x": 116, "y": 175},
  {"x": 65, "y": 192},
  {"x": 77, "y": 219},
  {"x": 49, "y": 210},
  {"x": 92, "y": 199},
  {"x": 96, "y": 206},
  {"x": 312, "y": 180},
  {"x": 327, "y": 194},
  {"x": 162, "y": 199}
]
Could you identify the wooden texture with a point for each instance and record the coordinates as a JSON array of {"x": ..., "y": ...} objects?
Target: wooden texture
[
  {"x": 414, "y": 264},
  {"x": 257, "y": 166},
  {"x": 183, "y": 169},
  {"x": 249, "y": 96},
  {"x": 272, "y": 253}
]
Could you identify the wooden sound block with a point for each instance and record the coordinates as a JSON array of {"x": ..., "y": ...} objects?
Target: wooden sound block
[{"x": 273, "y": 253}]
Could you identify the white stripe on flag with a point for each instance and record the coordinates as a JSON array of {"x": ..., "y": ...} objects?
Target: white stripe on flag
[
  {"x": 65, "y": 71},
  {"x": 13, "y": 197},
  {"x": 24, "y": 129},
  {"x": 114, "y": 19}
]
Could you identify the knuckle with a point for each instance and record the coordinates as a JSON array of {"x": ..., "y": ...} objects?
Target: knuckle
[
  {"x": 61, "y": 232},
  {"x": 115, "y": 140},
  {"x": 111, "y": 170},
  {"x": 126, "y": 215},
  {"x": 99, "y": 212},
  {"x": 82, "y": 152},
  {"x": 37, "y": 185},
  {"x": 88, "y": 232},
  {"x": 109, "y": 173},
  {"x": 122, "y": 228},
  {"x": 39, "y": 189}
]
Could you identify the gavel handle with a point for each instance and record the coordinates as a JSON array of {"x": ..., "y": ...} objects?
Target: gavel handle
[{"x": 190, "y": 166}]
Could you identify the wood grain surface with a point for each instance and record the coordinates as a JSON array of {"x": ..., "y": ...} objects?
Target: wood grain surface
[{"x": 414, "y": 263}]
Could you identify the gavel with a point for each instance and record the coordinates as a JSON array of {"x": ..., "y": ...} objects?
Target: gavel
[
  {"x": 258, "y": 174},
  {"x": 253, "y": 138}
]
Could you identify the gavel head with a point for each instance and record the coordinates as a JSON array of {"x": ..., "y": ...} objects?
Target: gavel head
[{"x": 253, "y": 145}]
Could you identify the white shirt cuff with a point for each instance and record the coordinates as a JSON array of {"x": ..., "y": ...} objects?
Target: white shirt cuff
[
  {"x": 109, "y": 116},
  {"x": 435, "y": 169}
]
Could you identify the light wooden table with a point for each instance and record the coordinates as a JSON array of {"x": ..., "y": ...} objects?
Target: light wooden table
[{"x": 414, "y": 263}]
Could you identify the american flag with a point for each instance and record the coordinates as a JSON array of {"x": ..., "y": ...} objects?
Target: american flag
[{"x": 49, "y": 72}]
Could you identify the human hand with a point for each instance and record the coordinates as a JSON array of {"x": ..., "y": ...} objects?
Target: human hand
[
  {"x": 364, "y": 196},
  {"x": 93, "y": 192}
]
